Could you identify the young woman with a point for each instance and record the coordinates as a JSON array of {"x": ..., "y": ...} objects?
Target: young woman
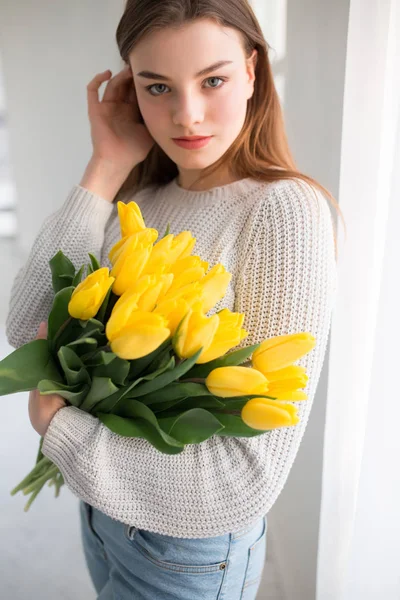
[{"x": 192, "y": 525}]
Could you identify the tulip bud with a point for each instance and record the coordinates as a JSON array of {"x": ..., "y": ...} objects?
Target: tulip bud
[
  {"x": 139, "y": 335},
  {"x": 214, "y": 283},
  {"x": 236, "y": 381},
  {"x": 170, "y": 249},
  {"x": 131, "y": 260},
  {"x": 228, "y": 335},
  {"x": 196, "y": 331},
  {"x": 88, "y": 296},
  {"x": 130, "y": 218},
  {"x": 264, "y": 414},
  {"x": 281, "y": 351}
]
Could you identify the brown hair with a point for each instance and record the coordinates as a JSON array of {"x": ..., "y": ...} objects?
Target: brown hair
[{"x": 262, "y": 144}]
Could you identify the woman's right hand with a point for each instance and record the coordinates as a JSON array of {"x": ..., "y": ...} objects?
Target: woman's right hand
[{"x": 118, "y": 136}]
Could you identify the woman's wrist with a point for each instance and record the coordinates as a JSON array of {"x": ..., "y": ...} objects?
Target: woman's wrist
[{"x": 103, "y": 178}]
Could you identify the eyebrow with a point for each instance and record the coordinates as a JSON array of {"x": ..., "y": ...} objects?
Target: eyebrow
[{"x": 217, "y": 65}]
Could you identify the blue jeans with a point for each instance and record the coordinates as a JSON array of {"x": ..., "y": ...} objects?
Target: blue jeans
[{"x": 129, "y": 563}]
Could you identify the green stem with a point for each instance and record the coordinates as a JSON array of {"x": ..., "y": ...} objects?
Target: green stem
[
  {"x": 48, "y": 475},
  {"x": 31, "y": 499},
  {"x": 59, "y": 483},
  {"x": 38, "y": 468}
]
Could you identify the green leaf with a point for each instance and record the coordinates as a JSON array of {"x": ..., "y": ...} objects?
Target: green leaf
[
  {"x": 74, "y": 331},
  {"x": 217, "y": 402},
  {"x": 165, "y": 378},
  {"x": 73, "y": 393},
  {"x": 234, "y": 426},
  {"x": 168, "y": 365},
  {"x": 102, "y": 387},
  {"x": 108, "y": 404},
  {"x": 21, "y": 370},
  {"x": 67, "y": 278},
  {"x": 161, "y": 363},
  {"x": 94, "y": 261},
  {"x": 135, "y": 409},
  {"x": 190, "y": 402},
  {"x": 93, "y": 324},
  {"x": 161, "y": 407},
  {"x": 60, "y": 266},
  {"x": 111, "y": 302},
  {"x": 73, "y": 367},
  {"x": 78, "y": 277},
  {"x": 83, "y": 346},
  {"x": 142, "y": 428},
  {"x": 100, "y": 358},
  {"x": 139, "y": 365},
  {"x": 175, "y": 391},
  {"x": 59, "y": 315},
  {"x": 193, "y": 426},
  {"x": 166, "y": 231},
  {"x": 77, "y": 329},
  {"x": 237, "y": 402},
  {"x": 117, "y": 370},
  {"x": 232, "y": 359}
]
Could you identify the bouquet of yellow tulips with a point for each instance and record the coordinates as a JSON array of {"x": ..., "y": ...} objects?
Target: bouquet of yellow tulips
[{"x": 134, "y": 347}]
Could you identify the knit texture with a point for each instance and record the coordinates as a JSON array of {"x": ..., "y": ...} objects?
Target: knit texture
[{"x": 277, "y": 241}]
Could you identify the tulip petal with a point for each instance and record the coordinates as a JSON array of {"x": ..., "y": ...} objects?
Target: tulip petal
[{"x": 259, "y": 413}]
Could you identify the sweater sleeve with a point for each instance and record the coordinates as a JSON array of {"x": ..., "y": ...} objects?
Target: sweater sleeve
[
  {"x": 76, "y": 228},
  {"x": 286, "y": 285}
]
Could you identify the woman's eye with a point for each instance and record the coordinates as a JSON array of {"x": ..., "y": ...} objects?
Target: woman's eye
[{"x": 150, "y": 87}]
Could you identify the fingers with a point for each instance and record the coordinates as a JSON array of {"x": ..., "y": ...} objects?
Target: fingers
[
  {"x": 93, "y": 88},
  {"x": 42, "y": 331},
  {"x": 116, "y": 87}
]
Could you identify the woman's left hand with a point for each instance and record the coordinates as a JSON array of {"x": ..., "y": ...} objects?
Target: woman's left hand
[{"x": 42, "y": 408}]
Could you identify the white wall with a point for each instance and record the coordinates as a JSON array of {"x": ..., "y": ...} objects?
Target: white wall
[
  {"x": 313, "y": 72},
  {"x": 51, "y": 49}
]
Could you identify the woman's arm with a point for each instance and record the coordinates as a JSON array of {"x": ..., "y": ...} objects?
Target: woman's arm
[
  {"x": 77, "y": 228},
  {"x": 286, "y": 285}
]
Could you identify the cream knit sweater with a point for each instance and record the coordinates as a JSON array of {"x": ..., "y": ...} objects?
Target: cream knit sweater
[{"x": 277, "y": 241}]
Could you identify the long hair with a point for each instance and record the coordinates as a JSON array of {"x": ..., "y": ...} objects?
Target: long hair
[{"x": 262, "y": 144}]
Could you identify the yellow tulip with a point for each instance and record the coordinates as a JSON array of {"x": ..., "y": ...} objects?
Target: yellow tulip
[
  {"x": 215, "y": 283},
  {"x": 196, "y": 331},
  {"x": 187, "y": 270},
  {"x": 264, "y": 414},
  {"x": 284, "y": 383},
  {"x": 173, "y": 309},
  {"x": 281, "y": 351},
  {"x": 140, "y": 335},
  {"x": 227, "y": 382},
  {"x": 189, "y": 289},
  {"x": 150, "y": 289},
  {"x": 88, "y": 295},
  {"x": 131, "y": 261},
  {"x": 121, "y": 313},
  {"x": 170, "y": 249},
  {"x": 145, "y": 237},
  {"x": 228, "y": 335},
  {"x": 130, "y": 218}
]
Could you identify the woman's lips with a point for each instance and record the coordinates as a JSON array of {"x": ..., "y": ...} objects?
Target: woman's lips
[{"x": 192, "y": 144}]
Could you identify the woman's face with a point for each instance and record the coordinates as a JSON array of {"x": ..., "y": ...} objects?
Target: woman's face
[{"x": 181, "y": 103}]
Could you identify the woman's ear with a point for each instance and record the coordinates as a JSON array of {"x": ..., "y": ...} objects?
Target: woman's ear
[{"x": 251, "y": 67}]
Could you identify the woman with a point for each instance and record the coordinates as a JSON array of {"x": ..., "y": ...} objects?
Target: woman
[{"x": 192, "y": 525}]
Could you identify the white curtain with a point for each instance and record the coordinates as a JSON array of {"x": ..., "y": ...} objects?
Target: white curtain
[{"x": 359, "y": 543}]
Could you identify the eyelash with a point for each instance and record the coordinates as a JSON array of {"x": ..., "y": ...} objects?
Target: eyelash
[{"x": 223, "y": 79}]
